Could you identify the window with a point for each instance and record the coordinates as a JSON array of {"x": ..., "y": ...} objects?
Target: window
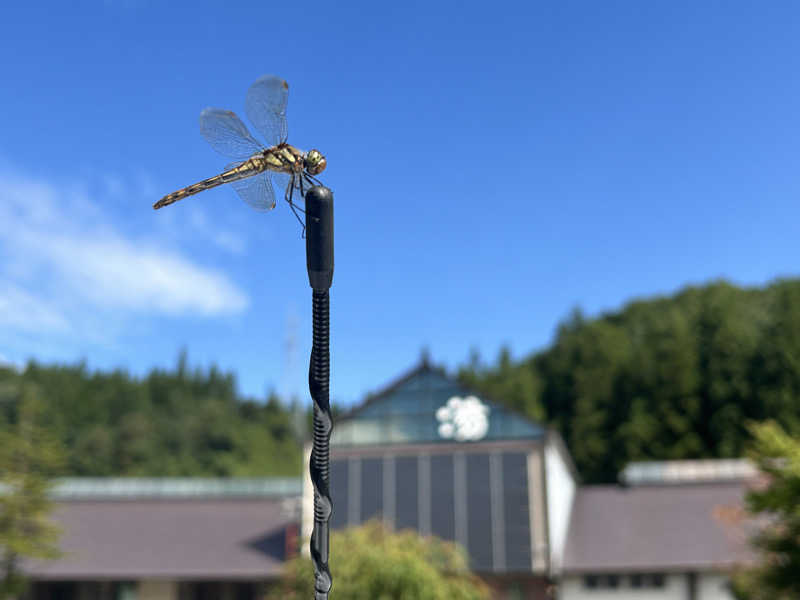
[
  {"x": 56, "y": 590},
  {"x": 245, "y": 591},
  {"x": 126, "y": 591},
  {"x": 87, "y": 590},
  {"x": 214, "y": 590},
  {"x": 605, "y": 581},
  {"x": 647, "y": 580}
]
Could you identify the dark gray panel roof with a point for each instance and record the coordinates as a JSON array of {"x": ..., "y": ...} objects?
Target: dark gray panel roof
[
  {"x": 658, "y": 527},
  {"x": 193, "y": 539}
]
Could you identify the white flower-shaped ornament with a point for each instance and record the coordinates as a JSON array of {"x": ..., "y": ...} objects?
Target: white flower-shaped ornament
[{"x": 463, "y": 419}]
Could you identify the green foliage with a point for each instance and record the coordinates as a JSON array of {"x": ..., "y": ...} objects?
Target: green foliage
[
  {"x": 777, "y": 576},
  {"x": 29, "y": 456},
  {"x": 179, "y": 423},
  {"x": 668, "y": 378},
  {"x": 518, "y": 389},
  {"x": 382, "y": 565}
]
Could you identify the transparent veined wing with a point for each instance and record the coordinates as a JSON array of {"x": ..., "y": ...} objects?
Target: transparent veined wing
[
  {"x": 227, "y": 134},
  {"x": 280, "y": 181},
  {"x": 256, "y": 190},
  {"x": 265, "y": 106}
]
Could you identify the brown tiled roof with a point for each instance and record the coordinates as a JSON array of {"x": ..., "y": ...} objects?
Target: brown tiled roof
[
  {"x": 657, "y": 528},
  {"x": 186, "y": 539}
]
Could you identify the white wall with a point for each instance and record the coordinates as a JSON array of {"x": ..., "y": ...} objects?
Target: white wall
[
  {"x": 675, "y": 588},
  {"x": 560, "y": 494},
  {"x": 712, "y": 586}
]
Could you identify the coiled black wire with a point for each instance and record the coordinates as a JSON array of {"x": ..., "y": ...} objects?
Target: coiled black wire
[{"x": 319, "y": 467}]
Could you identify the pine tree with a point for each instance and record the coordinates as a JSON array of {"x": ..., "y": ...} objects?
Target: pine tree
[
  {"x": 777, "y": 576},
  {"x": 29, "y": 456}
]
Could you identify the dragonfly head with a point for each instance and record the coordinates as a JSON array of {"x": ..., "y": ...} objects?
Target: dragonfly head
[{"x": 315, "y": 162}]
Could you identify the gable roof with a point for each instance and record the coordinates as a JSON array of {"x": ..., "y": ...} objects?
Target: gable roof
[
  {"x": 242, "y": 538},
  {"x": 689, "y": 527},
  {"x": 426, "y": 405}
]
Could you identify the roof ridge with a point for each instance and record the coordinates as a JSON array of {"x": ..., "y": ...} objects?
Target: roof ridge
[{"x": 67, "y": 488}]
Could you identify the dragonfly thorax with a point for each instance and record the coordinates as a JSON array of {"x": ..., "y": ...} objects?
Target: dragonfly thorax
[
  {"x": 288, "y": 159},
  {"x": 282, "y": 158}
]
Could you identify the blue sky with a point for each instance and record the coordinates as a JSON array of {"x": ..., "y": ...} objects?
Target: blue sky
[{"x": 493, "y": 165}]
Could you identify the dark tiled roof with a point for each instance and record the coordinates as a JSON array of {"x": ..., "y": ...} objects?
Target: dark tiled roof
[
  {"x": 193, "y": 539},
  {"x": 657, "y": 527}
]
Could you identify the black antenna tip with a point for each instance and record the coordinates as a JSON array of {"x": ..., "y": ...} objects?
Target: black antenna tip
[
  {"x": 319, "y": 237},
  {"x": 319, "y": 194}
]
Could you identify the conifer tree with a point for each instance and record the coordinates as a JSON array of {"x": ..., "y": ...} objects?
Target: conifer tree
[
  {"x": 29, "y": 456},
  {"x": 777, "y": 543}
]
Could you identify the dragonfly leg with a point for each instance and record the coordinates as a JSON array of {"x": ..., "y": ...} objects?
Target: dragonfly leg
[
  {"x": 288, "y": 196},
  {"x": 311, "y": 179},
  {"x": 302, "y": 191},
  {"x": 302, "y": 195}
]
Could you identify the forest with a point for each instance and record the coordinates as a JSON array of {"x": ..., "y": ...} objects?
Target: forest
[
  {"x": 182, "y": 422},
  {"x": 666, "y": 378},
  {"x": 662, "y": 378}
]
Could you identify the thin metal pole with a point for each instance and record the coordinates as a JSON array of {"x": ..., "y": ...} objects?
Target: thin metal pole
[{"x": 319, "y": 260}]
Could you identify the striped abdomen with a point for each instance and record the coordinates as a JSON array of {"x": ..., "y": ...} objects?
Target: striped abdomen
[{"x": 247, "y": 169}]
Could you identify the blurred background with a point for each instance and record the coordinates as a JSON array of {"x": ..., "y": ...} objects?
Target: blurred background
[{"x": 585, "y": 212}]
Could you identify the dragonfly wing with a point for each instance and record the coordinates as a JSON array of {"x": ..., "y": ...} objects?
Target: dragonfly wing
[
  {"x": 227, "y": 134},
  {"x": 256, "y": 191},
  {"x": 266, "y": 108},
  {"x": 280, "y": 181}
]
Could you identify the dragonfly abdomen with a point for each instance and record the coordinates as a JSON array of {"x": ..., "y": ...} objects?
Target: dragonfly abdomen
[{"x": 246, "y": 169}]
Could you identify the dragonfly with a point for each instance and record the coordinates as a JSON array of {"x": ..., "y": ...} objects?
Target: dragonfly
[{"x": 259, "y": 169}]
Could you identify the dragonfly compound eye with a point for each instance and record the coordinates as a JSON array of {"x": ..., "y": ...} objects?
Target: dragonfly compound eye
[{"x": 315, "y": 162}]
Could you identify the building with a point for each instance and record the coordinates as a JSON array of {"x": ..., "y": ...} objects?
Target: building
[
  {"x": 428, "y": 454},
  {"x": 672, "y": 531},
  {"x": 169, "y": 539}
]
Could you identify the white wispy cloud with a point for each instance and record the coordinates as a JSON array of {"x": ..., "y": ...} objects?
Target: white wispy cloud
[
  {"x": 62, "y": 259},
  {"x": 225, "y": 240},
  {"x": 23, "y": 311}
]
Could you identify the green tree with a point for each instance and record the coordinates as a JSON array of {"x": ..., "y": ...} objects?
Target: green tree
[
  {"x": 663, "y": 378},
  {"x": 29, "y": 457},
  {"x": 777, "y": 543},
  {"x": 179, "y": 422},
  {"x": 372, "y": 563},
  {"x": 518, "y": 388}
]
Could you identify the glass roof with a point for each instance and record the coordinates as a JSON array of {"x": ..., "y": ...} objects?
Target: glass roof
[{"x": 425, "y": 407}]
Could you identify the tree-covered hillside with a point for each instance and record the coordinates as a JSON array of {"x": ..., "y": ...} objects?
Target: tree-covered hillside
[
  {"x": 666, "y": 378},
  {"x": 171, "y": 423}
]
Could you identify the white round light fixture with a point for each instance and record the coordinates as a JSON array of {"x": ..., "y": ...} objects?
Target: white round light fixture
[{"x": 463, "y": 419}]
